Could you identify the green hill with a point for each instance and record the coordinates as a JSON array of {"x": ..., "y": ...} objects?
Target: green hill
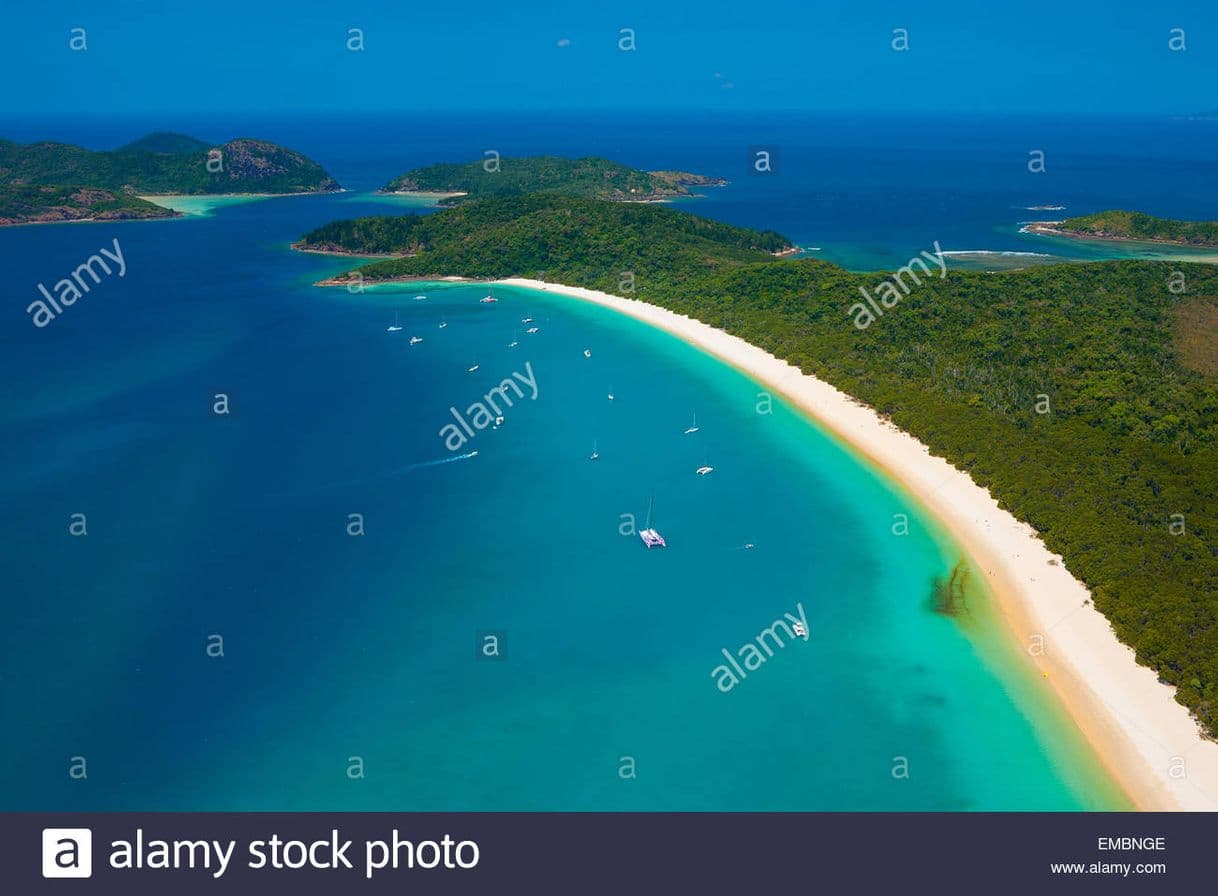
[
  {"x": 1137, "y": 226},
  {"x": 539, "y": 232},
  {"x": 244, "y": 166},
  {"x": 1119, "y": 476},
  {"x": 161, "y": 163},
  {"x": 590, "y": 178}
]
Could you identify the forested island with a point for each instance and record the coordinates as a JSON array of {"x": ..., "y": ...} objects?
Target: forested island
[
  {"x": 1124, "y": 225},
  {"x": 499, "y": 238},
  {"x": 590, "y": 178},
  {"x": 1083, "y": 396},
  {"x": 27, "y": 204},
  {"x": 60, "y": 182}
]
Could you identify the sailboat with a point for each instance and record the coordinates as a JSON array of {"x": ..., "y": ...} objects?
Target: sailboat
[
  {"x": 490, "y": 298},
  {"x": 693, "y": 427},
  {"x": 704, "y": 469},
  {"x": 650, "y": 537},
  {"x": 394, "y": 327},
  {"x": 415, "y": 340},
  {"x": 595, "y": 454}
]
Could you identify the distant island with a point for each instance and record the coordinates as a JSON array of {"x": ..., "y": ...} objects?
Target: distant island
[
  {"x": 1008, "y": 376},
  {"x": 45, "y": 182},
  {"x": 1124, "y": 225},
  {"x": 589, "y": 178}
]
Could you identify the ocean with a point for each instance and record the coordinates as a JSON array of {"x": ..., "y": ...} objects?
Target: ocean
[{"x": 351, "y": 566}]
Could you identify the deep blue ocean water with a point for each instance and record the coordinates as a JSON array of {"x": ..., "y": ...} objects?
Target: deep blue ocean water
[{"x": 338, "y": 646}]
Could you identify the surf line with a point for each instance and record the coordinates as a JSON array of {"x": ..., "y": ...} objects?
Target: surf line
[{"x": 480, "y": 414}]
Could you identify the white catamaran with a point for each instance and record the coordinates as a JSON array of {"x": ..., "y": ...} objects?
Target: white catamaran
[{"x": 651, "y": 538}]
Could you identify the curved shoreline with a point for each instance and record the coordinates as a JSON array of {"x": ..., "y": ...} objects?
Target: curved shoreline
[{"x": 1149, "y": 744}]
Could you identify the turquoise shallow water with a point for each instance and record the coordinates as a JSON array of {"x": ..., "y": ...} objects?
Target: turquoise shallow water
[{"x": 339, "y": 646}]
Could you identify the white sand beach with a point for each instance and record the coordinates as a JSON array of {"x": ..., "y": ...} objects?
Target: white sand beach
[{"x": 1149, "y": 743}]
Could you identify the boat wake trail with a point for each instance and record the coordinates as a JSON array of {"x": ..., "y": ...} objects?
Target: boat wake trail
[
  {"x": 430, "y": 463},
  {"x": 400, "y": 471}
]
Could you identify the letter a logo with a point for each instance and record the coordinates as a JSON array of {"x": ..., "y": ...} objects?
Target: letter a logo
[{"x": 67, "y": 852}]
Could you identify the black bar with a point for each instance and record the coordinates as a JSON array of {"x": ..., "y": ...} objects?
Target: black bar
[{"x": 583, "y": 853}]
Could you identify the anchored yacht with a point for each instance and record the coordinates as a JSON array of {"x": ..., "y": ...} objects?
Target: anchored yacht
[{"x": 651, "y": 537}]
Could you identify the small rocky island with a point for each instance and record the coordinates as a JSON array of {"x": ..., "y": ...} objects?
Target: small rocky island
[
  {"x": 46, "y": 182},
  {"x": 1133, "y": 226},
  {"x": 587, "y": 178}
]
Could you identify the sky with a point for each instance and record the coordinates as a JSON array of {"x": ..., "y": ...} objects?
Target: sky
[{"x": 1069, "y": 57}]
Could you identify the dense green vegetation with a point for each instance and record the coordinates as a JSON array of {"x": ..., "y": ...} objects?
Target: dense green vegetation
[
  {"x": 19, "y": 204},
  {"x": 1119, "y": 474},
  {"x": 159, "y": 163},
  {"x": 1137, "y": 226},
  {"x": 503, "y": 237},
  {"x": 590, "y": 178}
]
